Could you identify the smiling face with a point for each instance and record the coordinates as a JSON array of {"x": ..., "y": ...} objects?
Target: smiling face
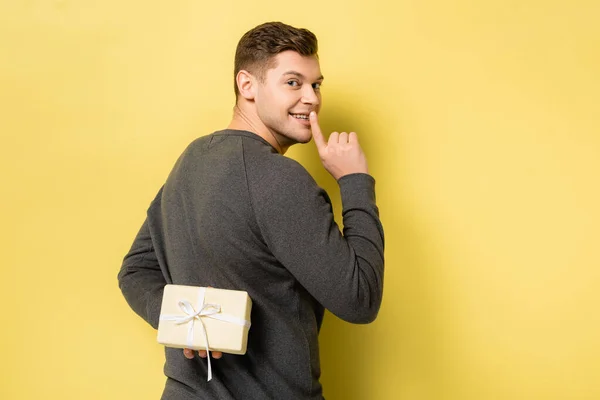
[{"x": 287, "y": 94}]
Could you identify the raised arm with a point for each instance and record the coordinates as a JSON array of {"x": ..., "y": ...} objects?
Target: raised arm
[{"x": 343, "y": 271}]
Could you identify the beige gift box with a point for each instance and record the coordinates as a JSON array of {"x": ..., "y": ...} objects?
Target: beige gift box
[{"x": 224, "y": 314}]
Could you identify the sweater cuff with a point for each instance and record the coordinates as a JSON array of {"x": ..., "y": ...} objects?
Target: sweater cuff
[{"x": 357, "y": 190}]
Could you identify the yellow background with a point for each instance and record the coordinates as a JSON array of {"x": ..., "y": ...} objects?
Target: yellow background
[{"x": 481, "y": 121}]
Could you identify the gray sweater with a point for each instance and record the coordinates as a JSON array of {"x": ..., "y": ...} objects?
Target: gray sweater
[{"x": 235, "y": 214}]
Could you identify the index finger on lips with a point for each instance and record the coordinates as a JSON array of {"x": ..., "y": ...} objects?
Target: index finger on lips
[{"x": 316, "y": 131}]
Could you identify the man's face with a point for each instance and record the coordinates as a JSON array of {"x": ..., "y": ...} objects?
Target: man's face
[{"x": 290, "y": 91}]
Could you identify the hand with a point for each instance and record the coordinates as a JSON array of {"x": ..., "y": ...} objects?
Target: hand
[
  {"x": 189, "y": 354},
  {"x": 342, "y": 154}
]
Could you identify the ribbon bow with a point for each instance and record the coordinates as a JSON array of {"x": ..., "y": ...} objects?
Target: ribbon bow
[{"x": 204, "y": 310}]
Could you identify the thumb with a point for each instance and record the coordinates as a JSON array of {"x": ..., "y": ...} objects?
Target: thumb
[{"x": 316, "y": 131}]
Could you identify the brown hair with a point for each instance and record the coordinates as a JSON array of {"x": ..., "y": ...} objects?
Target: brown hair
[{"x": 257, "y": 48}]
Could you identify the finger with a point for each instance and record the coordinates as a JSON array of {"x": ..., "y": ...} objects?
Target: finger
[
  {"x": 343, "y": 137},
  {"x": 316, "y": 131},
  {"x": 352, "y": 137},
  {"x": 188, "y": 353},
  {"x": 214, "y": 354},
  {"x": 334, "y": 138}
]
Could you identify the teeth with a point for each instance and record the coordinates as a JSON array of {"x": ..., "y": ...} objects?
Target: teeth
[{"x": 299, "y": 116}]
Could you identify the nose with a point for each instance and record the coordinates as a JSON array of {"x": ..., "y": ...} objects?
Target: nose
[{"x": 310, "y": 96}]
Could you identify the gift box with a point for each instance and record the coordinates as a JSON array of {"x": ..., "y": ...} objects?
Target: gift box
[{"x": 202, "y": 318}]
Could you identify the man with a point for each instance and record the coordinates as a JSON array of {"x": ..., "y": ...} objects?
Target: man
[{"x": 235, "y": 214}]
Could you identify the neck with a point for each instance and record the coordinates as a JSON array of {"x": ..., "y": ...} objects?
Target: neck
[{"x": 249, "y": 121}]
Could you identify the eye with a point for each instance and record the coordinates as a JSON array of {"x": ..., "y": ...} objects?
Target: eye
[
  {"x": 292, "y": 83},
  {"x": 316, "y": 86}
]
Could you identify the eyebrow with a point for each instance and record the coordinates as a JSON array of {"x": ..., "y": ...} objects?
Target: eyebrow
[{"x": 299, "y": 75}]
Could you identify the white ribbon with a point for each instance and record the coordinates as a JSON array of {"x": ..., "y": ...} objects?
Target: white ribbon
[{"x": 204, "y": 310}]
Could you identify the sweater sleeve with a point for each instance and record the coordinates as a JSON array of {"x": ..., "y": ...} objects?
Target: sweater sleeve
[
  {"x": 342, "y": 270},
  {"x": 141, "y": 278}
]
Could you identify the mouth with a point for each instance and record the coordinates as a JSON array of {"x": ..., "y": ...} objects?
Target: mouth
[{"x": 301, "y": 118}]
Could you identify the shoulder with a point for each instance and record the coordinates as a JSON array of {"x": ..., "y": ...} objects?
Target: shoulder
[
  {"x": 216, "y": 148},
  {"x": 284, "y": 184},
  {"x": 201, "y": 143},
  {"x": 280, "y": 172}
]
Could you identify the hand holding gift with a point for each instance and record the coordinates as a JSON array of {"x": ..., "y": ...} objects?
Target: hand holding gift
[
  {"x": 204, "y": 319},
  {"x": 189, "y": 353}
]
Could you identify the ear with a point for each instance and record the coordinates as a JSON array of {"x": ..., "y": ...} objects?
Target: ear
[{"x": 246, "y": 84}]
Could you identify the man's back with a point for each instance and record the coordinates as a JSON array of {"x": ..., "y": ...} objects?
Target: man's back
[{"x": 235, "y": 214}]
